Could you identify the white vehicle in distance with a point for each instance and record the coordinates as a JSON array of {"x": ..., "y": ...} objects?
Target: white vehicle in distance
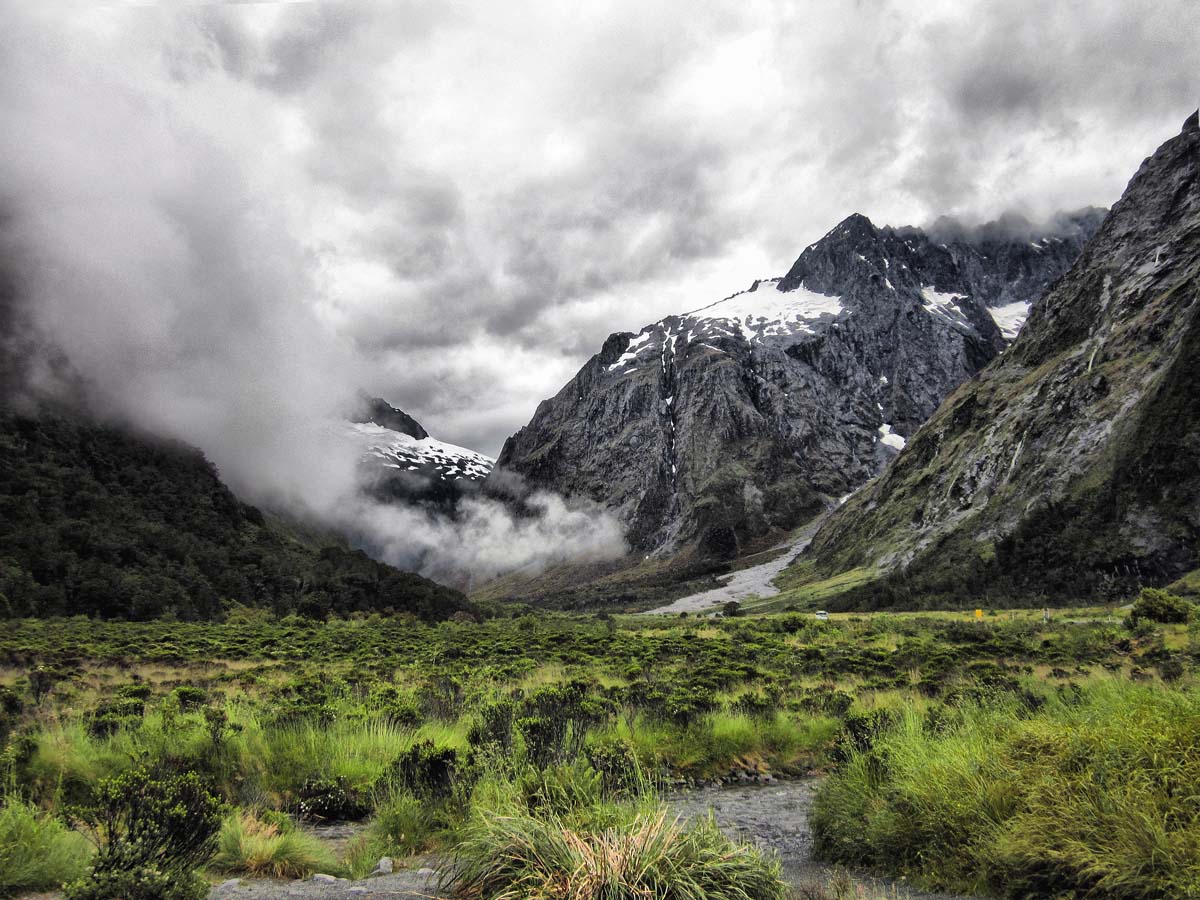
[{"x": 822, "y": 615}]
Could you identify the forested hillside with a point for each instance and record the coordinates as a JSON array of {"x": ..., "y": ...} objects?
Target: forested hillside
[{"x": 97, "y": 521}]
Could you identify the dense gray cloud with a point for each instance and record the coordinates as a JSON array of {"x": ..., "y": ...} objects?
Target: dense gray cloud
[{"x": 228, "y": 218}]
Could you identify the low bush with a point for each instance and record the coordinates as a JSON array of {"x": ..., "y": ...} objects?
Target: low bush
[
  {"x": 426, "y": 770},
  {"x": 37, "y": 853},
  {"x": 152, "y": 832},
  {"x": 1156, "y": 605},
  {"x": 139, "y": 882},
  {"x": 332, "y": 799}
]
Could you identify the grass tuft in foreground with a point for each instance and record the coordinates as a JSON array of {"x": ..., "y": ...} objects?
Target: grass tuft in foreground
[
  {"x": 273, "y": 849},
  {"x": 648, "y": 854},
  {"x": 1092, "y": 795}
]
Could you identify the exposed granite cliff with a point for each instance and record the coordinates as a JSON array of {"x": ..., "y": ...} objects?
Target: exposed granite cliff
[
  {"x": 724, "y": 424},
  {"x": 1070, "y": 467}
]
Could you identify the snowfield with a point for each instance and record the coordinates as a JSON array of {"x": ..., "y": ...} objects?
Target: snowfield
[
  {"x": 764, "y": 310},
  {"x": 945, "y": 307},
  {"x": 1009, "y": 318},
  {"x": 396, "y": 450}
]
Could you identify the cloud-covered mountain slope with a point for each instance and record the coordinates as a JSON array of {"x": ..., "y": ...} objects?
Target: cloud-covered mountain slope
[
  {"x": 400, "y": 462},
  {"x": 103, "y": 521}
]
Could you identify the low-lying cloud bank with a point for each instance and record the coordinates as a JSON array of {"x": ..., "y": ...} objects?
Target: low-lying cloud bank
[
  {"x": 487, "y": 539},
  {"x": 150, "y": 272}
]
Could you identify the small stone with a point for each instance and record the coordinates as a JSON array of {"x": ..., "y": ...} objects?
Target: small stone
[
  {"x": 358, "y": 889},
  {"x": 322, "y": 878},
  {"x": 229, "y": 885},
  {"x": 384, "y": 866},
  {"x": 427, "y": 873}
]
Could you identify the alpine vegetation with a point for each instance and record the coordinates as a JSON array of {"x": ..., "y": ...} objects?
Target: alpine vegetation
[{"x": 342, "y": 554}]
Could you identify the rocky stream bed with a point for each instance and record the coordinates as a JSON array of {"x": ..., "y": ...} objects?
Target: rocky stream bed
[{"x": 773, "y": 816}]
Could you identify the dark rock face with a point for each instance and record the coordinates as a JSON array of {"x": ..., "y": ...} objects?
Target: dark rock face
[
  {"x": 721, "y": 424},
  {"x": 380, "y": 412},
  {"x": 1070, "y": 469}
]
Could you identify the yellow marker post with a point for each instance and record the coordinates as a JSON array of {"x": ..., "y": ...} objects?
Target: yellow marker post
[{"x": 979, "y": 613}]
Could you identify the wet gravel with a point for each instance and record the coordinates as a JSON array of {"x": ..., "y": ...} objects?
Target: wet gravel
[
  {"x": 775, "y": 817},
  {"x": 744, "y": 584}
]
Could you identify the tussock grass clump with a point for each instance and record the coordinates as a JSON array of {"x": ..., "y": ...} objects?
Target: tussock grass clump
[
  {"x": 247, "y": 845},
  {"x": 1093, "y": 794},
  {"x": 402, "y": 826},
  {"x": 37, "y": 853},
  {"x": 647, "y": 855}
]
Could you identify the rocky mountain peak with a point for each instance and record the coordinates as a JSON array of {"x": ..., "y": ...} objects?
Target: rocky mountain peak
[
  {"x": 402, "y": 463},
  {"x": 378, "y": 411},
  {"x": 725, "y": 423},
  {"x": 1134, "y": 247}
]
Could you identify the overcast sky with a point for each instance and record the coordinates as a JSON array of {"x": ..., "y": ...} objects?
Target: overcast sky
[{"x": 453, "y": 204}]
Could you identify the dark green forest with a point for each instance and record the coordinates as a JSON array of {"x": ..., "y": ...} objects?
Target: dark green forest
[{"x": 100, "y": 522}]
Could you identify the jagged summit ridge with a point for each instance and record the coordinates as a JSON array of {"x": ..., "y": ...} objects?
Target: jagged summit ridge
[
  {"x": 392, "y": 439},
  {"x": 747, "y": 414},
  {"x": 378, "y": 411}
]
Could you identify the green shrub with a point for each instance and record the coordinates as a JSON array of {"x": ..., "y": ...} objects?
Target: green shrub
[
  {"x": 148, "y": 829},
  {"x": 397, "y": 709},
  {"x": 1156, "y": 605},
  {"x": 617, "y": 762},
  {"x": 493, "y": 727},
  {"x": 190, "y": 698},
  {"x": 426, "y": 771},
  {"x": 332, "y": 799},
  {"x": 37, "y": 852},
  {"x": 139, "y": 882},
  {"x": 111, "y": 716}
]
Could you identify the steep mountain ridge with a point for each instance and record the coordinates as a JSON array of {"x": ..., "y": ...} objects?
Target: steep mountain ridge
[
  {"x": 746, "y": 417},
  {"x": 1070, "y": 467}
]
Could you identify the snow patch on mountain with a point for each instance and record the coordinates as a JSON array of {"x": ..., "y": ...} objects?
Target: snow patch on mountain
[
  {"x": 395, "y": 450},
  {"x": 764, "y": 310},
  {"x": 945, "y": 306},
  {"x": 1009, "y": 318},
  {"x": 889, "y": 438},
  {"x": 631, "y": 352}
]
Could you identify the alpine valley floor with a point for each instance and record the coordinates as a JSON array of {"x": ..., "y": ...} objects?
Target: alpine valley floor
[{"x": 940, "y": 730}]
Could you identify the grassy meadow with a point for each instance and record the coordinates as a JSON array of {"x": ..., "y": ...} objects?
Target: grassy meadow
[{"x": 1004, "y": 754}]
